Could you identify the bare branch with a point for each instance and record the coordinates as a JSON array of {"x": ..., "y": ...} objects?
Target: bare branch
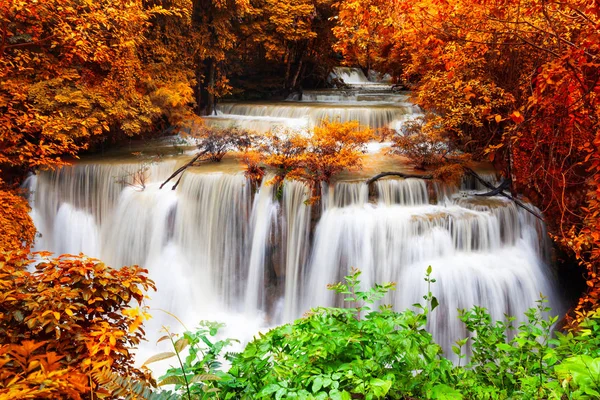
[
  {"x": 183, "y": 168},
  {"x": 400, "y": 174},
  {"x": 502, "y": 193}
]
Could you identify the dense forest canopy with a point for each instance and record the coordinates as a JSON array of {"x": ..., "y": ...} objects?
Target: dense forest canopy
[{"x": 513, "y": 82}]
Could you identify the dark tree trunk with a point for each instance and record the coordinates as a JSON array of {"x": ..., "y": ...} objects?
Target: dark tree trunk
[
  {"x": 205, "y": 76},
  {"x": 210, "y": 98},
  {"x": 296, "y": 75}
]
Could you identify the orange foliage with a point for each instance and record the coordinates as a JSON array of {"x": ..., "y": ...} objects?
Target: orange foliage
[
  {"x": 517, "y": 82},
  {"x": 17, "y": 227},
  {"x": 68, "y": 318},
  {"x": 214, "y": 141},
  {"x": 254, "y": 172},
  {"x": 288, "y": 34},
  {"x": 426, "y": 147},
  {"x": 331, "y": 148},
  {"x": 71, "y": 75},
  {"x": 335, "y": 147},
  {"x": 364, "y": 32}
]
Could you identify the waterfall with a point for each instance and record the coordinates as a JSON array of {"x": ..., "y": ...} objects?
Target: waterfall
[
  {"x": 484, "y": 251},
  {"x": 351, "y": 76},
  {"x": 296, "y": 239},
  {"x": 219, "y": 251},
  {"x": 264, "y": 116},
  {"x": 494, "y": 256},
  {"x": 264, "y": 219},
  {"x": 360, "y": 97}
]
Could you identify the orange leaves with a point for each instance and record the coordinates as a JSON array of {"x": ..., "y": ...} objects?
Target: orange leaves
[
  {"x": 516, "y": 117},
  {"x": 17, "y": 227},
  {"x": 71, "y": 315},
  {"x": 72, "y": 70},
  {"x": 332, "y": 147},
  {"x": 519, "y": 86}
]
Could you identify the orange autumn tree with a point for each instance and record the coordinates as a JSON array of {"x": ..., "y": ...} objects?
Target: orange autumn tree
[
  {"x": 331, "y": 147},
  {"x": 291, "y": 36},
  {"x": 518, "y": 83},
  {"x": 212, "y": 29},
  {"x": 364, "y": 32},
  {"x": 72, "y": 75}
]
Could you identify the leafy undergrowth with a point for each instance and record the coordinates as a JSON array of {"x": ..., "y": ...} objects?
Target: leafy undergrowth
[{"x": 359, "y": 353}]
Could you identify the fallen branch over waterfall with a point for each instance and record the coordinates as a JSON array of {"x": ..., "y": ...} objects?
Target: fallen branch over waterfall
[
  {"x": 399, "y": 174},
  {"x": 494, "y": 191},
  {"x": 500, "y": 191},
  {"x": 183, "y": 168}
]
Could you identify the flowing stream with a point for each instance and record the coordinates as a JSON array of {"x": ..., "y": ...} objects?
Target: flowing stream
[{"x": 217, "y": 251}]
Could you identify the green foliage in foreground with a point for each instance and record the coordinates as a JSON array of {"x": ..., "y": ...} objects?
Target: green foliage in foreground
[{"x": 358, "y": 353}]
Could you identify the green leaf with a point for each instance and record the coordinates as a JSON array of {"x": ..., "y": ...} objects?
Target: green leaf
[
  {"x": 434, "y": 303},
  {"x": 269, "y": 389},
  {"x": 159, "y": 357},
  {"x": 181, "y": 344},
  {"x": 444, "y": 392},
  {"x": 172, "y": 380},
  {"x": 317, "y": 384},
  {"x": 380, "y": 387},
  {"x": 337, "y": 395},
  {"x": 204, "y": 377}
]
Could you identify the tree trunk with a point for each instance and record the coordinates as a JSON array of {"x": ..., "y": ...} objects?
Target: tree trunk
[
  {"x": 198, "y": 91},
  {"x": 210, "y": 99},
  {"x": 296, "y": 75},
  {"x": 205, "y": 76},
  {"x": 288, "y": 69}
]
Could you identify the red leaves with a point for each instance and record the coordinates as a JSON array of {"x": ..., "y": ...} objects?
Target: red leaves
[{"x": 516, "y": 117}]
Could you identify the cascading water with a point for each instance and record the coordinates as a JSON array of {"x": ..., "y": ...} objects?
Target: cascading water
[
  {"x": 303, "y": 115},
  {"x": 219, "y": 251},
  {"x": 372, "y": 104}
]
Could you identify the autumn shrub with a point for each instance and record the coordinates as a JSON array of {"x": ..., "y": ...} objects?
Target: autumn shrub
[
  {"x": 424, "y": 145},
  {"x": 215, "y": 142},
  {"x": 64, "y": 321},
  {"x": 330, "y": 148}
]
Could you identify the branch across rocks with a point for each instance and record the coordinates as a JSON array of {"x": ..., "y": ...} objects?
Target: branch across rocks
[{"x": 494, "y": 191}]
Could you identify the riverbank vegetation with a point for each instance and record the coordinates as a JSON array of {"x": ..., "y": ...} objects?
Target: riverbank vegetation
[
  {"x": 361, "y": 352},
  {"x": 514, "y": 82}
]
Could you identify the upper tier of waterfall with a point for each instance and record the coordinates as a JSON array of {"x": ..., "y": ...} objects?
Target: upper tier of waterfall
[{"x": 372, "y": 104}]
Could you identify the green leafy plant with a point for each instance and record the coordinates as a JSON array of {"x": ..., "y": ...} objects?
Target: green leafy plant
[
  {"x": 359, "y": 352},
  {"x": 342, "y": 353},
  {"x": 197, "y": 373}
]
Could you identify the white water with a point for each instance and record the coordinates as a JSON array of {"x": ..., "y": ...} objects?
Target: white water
[
  {"x": 372, "y": 104},
  {"x": 217, "y": 251},
  {"x": 214, "y": 253},
  {"x": 304, "y": 115}
]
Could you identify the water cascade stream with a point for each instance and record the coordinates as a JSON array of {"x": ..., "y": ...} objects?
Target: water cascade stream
[{"x": 219, "y": 251}]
